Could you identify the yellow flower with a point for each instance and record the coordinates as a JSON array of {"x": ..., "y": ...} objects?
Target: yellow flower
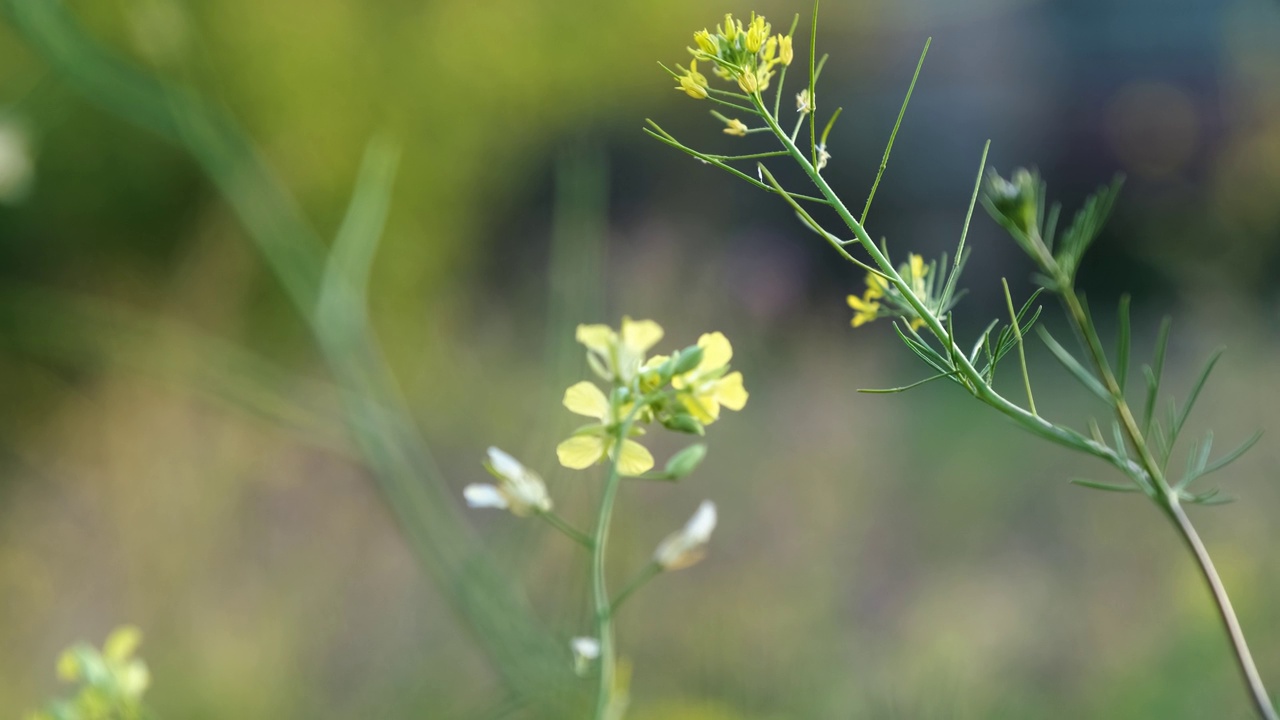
[
  {"x": 865, "y": 309},
  {"x": 730, "y": 29},
  {"x": 618, "y": 355},
  {"x": 875, "y": 286},
  {"x": 694, "y": 83},
  {"x": 770, "y": 50},
  {"x": 736, "y": 127},
  {"x": 918, "y": 270},
  {"x": 757, "y": 32},
  {"x": 763, "y": 76},
  {"x": 594, "y": 443},
  {"x": 707, "y": 387},
  {"x": 748, "y": 82},
  {"x": 785, "y": 53},
  {"x": 706, "y": 43}
]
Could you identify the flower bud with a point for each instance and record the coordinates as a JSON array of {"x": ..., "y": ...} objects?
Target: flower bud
[
  {"x": 706, "y": 43},
  {"x": 683, "y": 423},
  {"x": 688, "y": 545},
  {"x": 687, "y": 360},
  {"x": 686, "y": 461}
]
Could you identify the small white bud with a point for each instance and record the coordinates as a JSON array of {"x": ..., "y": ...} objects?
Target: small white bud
[
  {"x": 586, "y": 650},
  {"x": 688, "y": 545}
]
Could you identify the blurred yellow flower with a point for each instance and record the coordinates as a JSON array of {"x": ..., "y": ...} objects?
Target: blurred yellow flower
[
  {"x": 694, "y": 83},
  {"x": 594, "y": 443},
  {"x": 785, "y": 53},
  {"x": 865, "y": 309},
  {"x": 757, "y": 32},
  {"x": 706, "y": 388},
  {"x": 706, "y": 43},
  {"x": 617, "y": 356},
  {"x": 736, "y": 127}
]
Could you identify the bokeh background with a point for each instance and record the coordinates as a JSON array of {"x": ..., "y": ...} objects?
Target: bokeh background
[{"x": 173, "y": 452}]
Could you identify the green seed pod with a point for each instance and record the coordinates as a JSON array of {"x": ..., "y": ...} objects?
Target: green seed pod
[
  {"x": 686, "y": 360},
  {"x": 686, "y": 461},
  {"x": 683, "y": 423}
]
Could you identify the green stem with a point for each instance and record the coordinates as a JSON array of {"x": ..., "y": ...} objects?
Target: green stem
[
  {"x": 600, "y": 601},
  {"x": 648, "y": 573},
  {"x": 1031, "y": 422},
  {"x": 563, "y": 526},
  {"x": 1167, "y": 499}
]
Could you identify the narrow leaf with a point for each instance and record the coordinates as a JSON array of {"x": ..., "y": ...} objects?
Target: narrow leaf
[
  {"x": 950, "y": 287},
  {"x": 1122, "y": 343},
  {"x": 885, "y": 391},
  {"x": 1195, "y": 391},
  {"x": 1232, "y": 456},
  {"x": 1072, "y": 365},
  {"x": 1153, "y": 374},
  {"x": 1108, "y": 487},
  {"x": 884, "y": 162}
]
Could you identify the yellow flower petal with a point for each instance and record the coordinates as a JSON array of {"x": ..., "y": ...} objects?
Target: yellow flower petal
[
  {"x": 654, "y": 362},
  {"x": 875, "y": 286},
  {"x": 585, "y": 398},
  {"x": 597, "y": 337},
  {"x": 580, "y": 451},
  {"x": 918, "y": 270},
  {"x": 703, "y": 406},
  {"x": 640, "y": 335},
  {"x": 730, "y": 392},
  {"x": 634, "y": 458},
  {"x": 716, "y": 351}
]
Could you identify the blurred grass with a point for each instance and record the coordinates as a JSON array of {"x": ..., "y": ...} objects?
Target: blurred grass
[{"x": 851, "y": 576}]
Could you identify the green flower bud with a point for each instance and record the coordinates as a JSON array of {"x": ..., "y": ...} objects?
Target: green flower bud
[
  {"x": 686, "y": 360},
  {"x": 683, "y": 423},
  {"x": 686, "y": 461},
  {"x": 1016, "y": 199}
]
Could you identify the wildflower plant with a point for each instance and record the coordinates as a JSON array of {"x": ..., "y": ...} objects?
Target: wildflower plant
[
  {"x": 920, "y": 295},
  {"x": 111, "y": 681},
  {"x": 682, "y": 392}
]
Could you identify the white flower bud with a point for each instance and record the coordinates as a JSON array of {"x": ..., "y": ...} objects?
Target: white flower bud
[
  {"x": 519, "y": 489},
  {"x": 687, "y": 546}
]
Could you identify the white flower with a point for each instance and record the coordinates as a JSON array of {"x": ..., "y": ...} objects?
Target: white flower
[
  {"x": 687, "y": 546},
  {"x": 824, "y": 157},
  {"x": 585, "y": 651},
  {"x": 519, "y": 489}
]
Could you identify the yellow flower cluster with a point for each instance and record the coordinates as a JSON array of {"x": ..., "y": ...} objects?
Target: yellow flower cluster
[
  {"x": 871, "y": 305},
  {"x": 746, "y": 54},
  {"x": 683, "y": 392}
]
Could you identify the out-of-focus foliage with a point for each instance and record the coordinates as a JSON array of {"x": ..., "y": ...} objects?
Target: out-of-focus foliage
[
  {"x": 172, "y": 450},
  {"x": 112, "y": 682}
]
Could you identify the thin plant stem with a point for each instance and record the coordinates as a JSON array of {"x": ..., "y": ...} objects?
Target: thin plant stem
[
  {"x": 1167, "y": 498},
  {"x": 569, "y": 531},
  {"x": 602, "y": 605},
  {"x": 599, "y": 590},
  {"x": 1244, "y": 659},
  {"x": 649, "y": 572}
]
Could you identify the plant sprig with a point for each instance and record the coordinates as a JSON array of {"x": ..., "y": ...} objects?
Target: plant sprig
[{"x": 914, "y": 293}]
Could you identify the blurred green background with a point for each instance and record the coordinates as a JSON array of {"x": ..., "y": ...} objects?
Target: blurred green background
[{"x": 173, "y": 452}]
